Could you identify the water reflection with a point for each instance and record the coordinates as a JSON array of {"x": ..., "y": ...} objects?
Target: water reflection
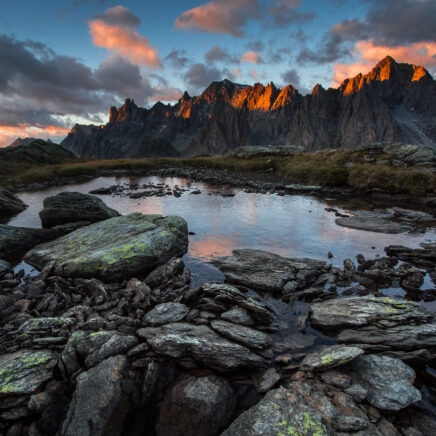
[{"x": 294, "y": 226}]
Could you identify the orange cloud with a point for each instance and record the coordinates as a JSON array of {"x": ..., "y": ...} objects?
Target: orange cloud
[
  {"x": 420, "y": 53},
  {"x": 166, "y": 94},
  {"x": 9, "y": 133},
  {"x": 126, "y": 42},
  {"x": 252, "y": 57}
]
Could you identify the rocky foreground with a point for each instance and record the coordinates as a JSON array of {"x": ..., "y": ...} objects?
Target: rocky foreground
[{"x": 284, "y": 347}]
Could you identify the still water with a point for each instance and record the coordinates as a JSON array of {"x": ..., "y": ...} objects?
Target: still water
[{"x": 291, "y": 225}]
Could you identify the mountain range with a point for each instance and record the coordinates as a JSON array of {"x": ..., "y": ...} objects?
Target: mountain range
[{"x": 395, "y": 102}]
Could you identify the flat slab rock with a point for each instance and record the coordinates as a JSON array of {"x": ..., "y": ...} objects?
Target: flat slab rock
[
  {"x": 68, "y": 207},
  {"x": 201, "y": 343},
  {"x": 165, "y": 313},
  {"x": 389, "y": 381},
  {"x": 10, "y": 204},
  {"x": 114, "y": 249},
  {"x": 361, "y": 311},
  {"x": 5, "y": 267},
  {"x": 24, "y": 371},
  {"x": 330, "y": 357},
  {"x": 267, "y": 271}
]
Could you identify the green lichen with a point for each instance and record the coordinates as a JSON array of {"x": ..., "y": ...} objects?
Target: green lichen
[{"x": 308, "y": 427}]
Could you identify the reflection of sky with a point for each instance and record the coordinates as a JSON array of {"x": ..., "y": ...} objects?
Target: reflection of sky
[{"x": 294, "y": 226}]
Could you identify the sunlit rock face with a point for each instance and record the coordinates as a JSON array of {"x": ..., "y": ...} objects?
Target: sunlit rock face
[{"x": 394, "y": 102}]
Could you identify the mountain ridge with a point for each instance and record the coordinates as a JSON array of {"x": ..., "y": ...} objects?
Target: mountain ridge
[{"x": 394, "y": 102}]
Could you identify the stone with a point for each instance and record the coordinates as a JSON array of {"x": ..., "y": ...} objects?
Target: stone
[
  {"x": 358, "y": 392},
  {"x": 90, "y": 348},
  {"x": 266, "y": 380},
  {"x": 69, "y": 207},
  {"x": 374, "y": 221},
  {"x": 336, "y": 378},
  {"x": 244, "y": 335},
  {"x": 24, "y": 371},
  {"x": 114, "y": 249},
  {"x": 181, "y": 340},
  {"x": 99, "y": 405},
  {"x": 170, "y": 270},
  {"x": 389, "y": 381},
  {"x": 5, "y": 267},
  {"x": 196, "y": 406},
  {"x": 330, "y": 357},
  {"x": 250, "y": 151},
  {"x": 265, "y": 271},
  {"x": 166, "y": 313},
  {"x": 425, "y": 256},
  {"x": 238, "y": 316},
  {"x": 46, "y": 325},
  {"x": 38, "y": 402},
  {"x": 10, "y": 204},
  {"x": 361, "y": 311}
]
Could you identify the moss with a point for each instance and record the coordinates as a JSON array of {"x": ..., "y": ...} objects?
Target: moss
[{"x": 308, "y": 427}]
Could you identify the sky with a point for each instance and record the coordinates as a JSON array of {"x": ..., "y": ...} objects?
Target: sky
[{"x": 67, "y": 62}]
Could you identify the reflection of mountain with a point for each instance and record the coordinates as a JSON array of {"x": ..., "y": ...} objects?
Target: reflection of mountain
[{"x": 394, "y": 102}]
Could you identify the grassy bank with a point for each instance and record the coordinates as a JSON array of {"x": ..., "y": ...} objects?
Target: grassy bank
[{"x": 341, "y": 168}]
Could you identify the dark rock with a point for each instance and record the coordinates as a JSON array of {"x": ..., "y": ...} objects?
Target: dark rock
[
  {"x": 162, "y": 273},
  {"x": 24, "y": 371},
  {"x": 196, "y": 406},
  {"x": 238, "y": 316},
  {"x": 69, "y": 207},
  {"x": 9, "y": 204},
  {"x": 244, "y": 335},
  {"x": 99, "y": 404},
  {"x": 425, "y": 257},
  {"x": 389, "y": 381},
  {"x": 114, "y": 249},
  {"x": 266, "y": 380},
  {"x": 166, "y": 313},
  {"x": 180, "y": 340},
  {"x": 295, "y": 342},
  {"x": 5, "y": 268}
]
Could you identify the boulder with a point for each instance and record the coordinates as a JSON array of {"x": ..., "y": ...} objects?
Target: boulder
[
  {"x": 181, "y": 340},
  {"x": 10, "y": 204},
  {"x": 166, "y": 313},
  {"x": 23, "y": 372},
  {"x": 425, "y": 256},
  {"x": 265, "y": 271},
  {"x": 389, "y": 381},
  {"x": 114, "y": 249},
  {"x": 244, "y": 335},
  {"x": 99, "y": 405},
  {"x": 238, "y": 315},
  {"x": 5, "y": 267},
  {"x": 330, "y": 357},
  {"x": 168, "y": 271},
  {"x": 196, "y": 406},
  {"x": 361, "y": 311},
  {"x": 374, "y": 221},
  {"x": 250, "y": 151},
  {"x": 266, "y": 380},
  {"x": 69, "y": 207}
]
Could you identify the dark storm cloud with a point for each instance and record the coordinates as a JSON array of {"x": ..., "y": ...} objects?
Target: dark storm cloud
[
  {"x": 330, "y": 50},
  {"x": 284, "y": 13},
  {"x": 219, "y": 54},
  {"x": 199, "y": 75},
  {"x": 35, "y": 82},
  {"x": 257, "y": 46},
  {"x": 177, "y": 59}
]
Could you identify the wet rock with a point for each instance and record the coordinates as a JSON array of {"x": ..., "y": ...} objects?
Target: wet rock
[
  {"x": 413, "y": 216},
  {"x": 267, "y": 271},
  {"x": 227, "y": 294},
  {"x": 373, "y": 221},
  {"x": 166, "y": 313},
  {"x": 266, "y": 380},
  {"x": 99, "y": 405},
  {"x": 196, "y": 406},
  {"x": 389, "y": 381},
  {"x": 330, "y": 357},
  {"x": 24, "y": 371},
  {"x": 166, "y": 272},
  {"x": 244, "y": 335},
  {"x": 201, "y": 343},
  {"x": 10, "y": 204},
  {"x": 69, "y": 207},
  {"x": 361, "y": 311},
  {"x": 238, "y": 316},
  {"x": 425, "y": 257},
  {"x": 5, "y": 268},
  {"x": 114, "y": 249}
]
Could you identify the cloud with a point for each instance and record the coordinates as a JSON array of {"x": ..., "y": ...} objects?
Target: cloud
[
  {"x": 252, "y": 57},
  {"x": 199, "y": 76},
  {"x": 115, "y": 30},
  {"x": 330, "y": 50},
  {"x": 166, "y": 94},
  {"x": 220, "y": 16},
  {"x": 257, "y": 46},
  {"x": 369, "y": 53},
  {"x": 9, "y": 133},
  {"x": 291, "y": 77},
  {"x": 218, "y": 54},
  {"x": 284, "y": 13},
  {"x": 177, "y": 59}
]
